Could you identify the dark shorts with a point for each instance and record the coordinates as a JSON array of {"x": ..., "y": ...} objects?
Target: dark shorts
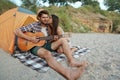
[{"x": 46, "y": 46}]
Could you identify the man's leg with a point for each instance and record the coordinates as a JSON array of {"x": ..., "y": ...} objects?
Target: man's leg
[
  {"x": 67, "y": 51},
  {"x": 67, "y": 73}
]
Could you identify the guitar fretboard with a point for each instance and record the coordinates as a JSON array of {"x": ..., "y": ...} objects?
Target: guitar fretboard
[
  {"x": 46, "y": 38},
  {"x": 52, "y": 37},
  {"x": 49, "y": 37}
]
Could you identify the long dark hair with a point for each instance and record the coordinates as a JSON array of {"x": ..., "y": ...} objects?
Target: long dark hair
[{"x": 55, "y": 23}]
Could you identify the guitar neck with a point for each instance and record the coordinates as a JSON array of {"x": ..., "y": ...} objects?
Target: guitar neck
[
  {"x": 51, "y": 37},
  {"x": 46, "y": 38}
]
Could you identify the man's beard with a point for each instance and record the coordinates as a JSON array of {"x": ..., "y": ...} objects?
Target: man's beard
[{"x": 44, "y": 23}]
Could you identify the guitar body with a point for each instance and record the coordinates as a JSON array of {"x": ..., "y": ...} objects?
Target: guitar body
[{"x": 25, "y": 45}]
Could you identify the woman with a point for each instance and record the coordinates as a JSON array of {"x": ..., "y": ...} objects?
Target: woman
[{"x": 57, "y": 30}]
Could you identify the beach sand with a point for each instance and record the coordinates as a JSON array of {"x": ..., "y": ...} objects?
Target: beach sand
[{"x": 103, "y": 60}]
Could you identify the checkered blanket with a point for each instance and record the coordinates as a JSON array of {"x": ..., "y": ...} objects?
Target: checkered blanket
[{"x": 39, "y": 64}]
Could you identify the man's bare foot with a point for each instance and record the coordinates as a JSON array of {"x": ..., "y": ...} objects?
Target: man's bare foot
[
  {"x": 77, "y": 64},
  {"x": 74, "y": 74}
]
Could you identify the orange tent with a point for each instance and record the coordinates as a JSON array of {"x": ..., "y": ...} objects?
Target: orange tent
[{"x": 11, "y": 20}]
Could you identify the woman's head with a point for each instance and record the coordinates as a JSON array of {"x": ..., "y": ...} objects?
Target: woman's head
[{"x": 54, "y": 21}]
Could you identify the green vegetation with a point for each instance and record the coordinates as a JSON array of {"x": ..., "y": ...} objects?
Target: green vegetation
[
  {"x": 70, "y": 22},
  {"x": 70, "y": 17},
  {"x": 113, "y": 5},
  {"x": 6, "y": 5}
]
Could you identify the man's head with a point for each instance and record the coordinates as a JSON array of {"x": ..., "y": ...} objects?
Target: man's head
[{"x": 43, "y": 16}]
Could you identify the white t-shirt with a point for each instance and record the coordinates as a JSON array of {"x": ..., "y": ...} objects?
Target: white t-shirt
[{"x": 44, "y": 30}]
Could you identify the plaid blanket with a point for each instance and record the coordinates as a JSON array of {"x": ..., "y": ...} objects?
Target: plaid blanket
[{"x": 39, "y": 64}]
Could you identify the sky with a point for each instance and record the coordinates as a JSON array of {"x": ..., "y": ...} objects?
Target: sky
[{"x": 76, "y": 5}]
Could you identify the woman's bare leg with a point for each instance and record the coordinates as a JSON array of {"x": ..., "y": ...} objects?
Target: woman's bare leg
[{"x": 67, "y": 51}]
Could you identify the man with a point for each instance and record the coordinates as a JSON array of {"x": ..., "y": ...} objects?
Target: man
[{"x": 45, "y": 51}]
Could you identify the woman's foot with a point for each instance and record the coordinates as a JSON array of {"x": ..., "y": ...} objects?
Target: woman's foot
[
  {"x": 73, "y": 49},
  {"x": 77, "y": 64}
]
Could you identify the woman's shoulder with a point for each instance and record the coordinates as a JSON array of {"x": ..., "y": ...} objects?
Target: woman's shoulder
[{"x": 59, "y": 28}]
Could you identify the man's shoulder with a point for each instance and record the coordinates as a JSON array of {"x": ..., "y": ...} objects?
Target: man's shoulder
[{"x": 36, "y": 23}]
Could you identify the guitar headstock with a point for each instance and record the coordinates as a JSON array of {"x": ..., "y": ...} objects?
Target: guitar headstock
[{"x": 67, "y": 35}]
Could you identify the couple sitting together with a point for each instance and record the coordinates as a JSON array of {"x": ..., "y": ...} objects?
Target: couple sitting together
[{"x": 48, "y": 25}]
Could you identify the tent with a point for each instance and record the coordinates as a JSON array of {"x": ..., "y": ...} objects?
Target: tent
[{"x": 9, "y": 21}]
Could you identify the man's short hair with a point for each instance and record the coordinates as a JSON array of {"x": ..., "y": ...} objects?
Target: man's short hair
[{"x": 39, "y": 14}]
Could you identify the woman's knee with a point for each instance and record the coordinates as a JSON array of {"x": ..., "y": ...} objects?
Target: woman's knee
[{"x": 63, "y": 40}]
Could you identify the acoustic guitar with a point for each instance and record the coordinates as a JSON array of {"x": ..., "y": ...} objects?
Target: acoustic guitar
[{"x": 25, "y": 45}]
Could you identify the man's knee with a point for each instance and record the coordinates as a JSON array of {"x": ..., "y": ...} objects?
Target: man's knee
[{"x": 45, "y": 54}]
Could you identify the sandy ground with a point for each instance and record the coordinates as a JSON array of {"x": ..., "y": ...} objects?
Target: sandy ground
[{"x": 103, "y": 59}]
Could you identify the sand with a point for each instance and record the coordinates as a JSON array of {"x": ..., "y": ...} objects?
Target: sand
[{"x": 103, "y": 59}]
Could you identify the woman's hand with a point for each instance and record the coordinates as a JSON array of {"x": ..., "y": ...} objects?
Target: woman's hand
[{"x": 56, "y": 37}]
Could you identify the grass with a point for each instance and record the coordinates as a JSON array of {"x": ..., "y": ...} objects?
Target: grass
[{"x": 70, "y": 17}]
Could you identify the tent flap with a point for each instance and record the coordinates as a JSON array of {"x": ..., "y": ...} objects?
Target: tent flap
[{"x": 11, "y": 20}]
